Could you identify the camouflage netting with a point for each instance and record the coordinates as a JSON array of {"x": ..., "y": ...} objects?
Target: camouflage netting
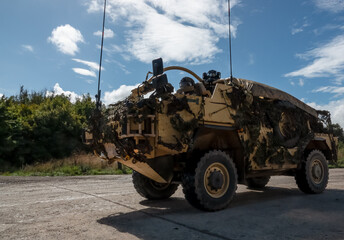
[
  {"x": 287, "y": 124},
  {"x": 185, "y": 128},
  {"x": 274, "y": 121},
  {"x": 118, "y": 115},
  {"x": 262, "y": 90},
  {"x": 105, "y": 128},
  {"x": 114, "y": 122}
]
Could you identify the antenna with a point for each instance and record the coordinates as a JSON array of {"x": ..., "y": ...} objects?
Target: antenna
[
  {"x": 98, "y": 103},
  {"x": 230, "y": 40}
]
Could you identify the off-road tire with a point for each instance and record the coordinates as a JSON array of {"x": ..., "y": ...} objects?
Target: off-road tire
[
  {"x": 284, "y": 133},
  {"x": 257, "y": 182},
  {"x": 198, "y": 193},
  {"x": 152, "y": 190},
  {"x": 188, "y": 183},
  {"x": 307, "y": 178}
]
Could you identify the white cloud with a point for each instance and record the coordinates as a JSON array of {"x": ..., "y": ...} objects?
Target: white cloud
[
  {"x": 1, "y": 95},
  {"x": 120, "y": 65},
  {"x": 328, "y": 27},
  {"x": 59, "y": 91},
  {"x": 108, "y": 33},
  {"x": 176, "y": 30},
  {"x": 89, "y": 81},
  {"x": 301, "y": 82},
  {"x": 66, "y": 39},
  {"x": 176, "y": 42},
  {"x": 330, "y": 5},
  {"x": 113, "y": 48},
  {"x": 116, "y": 48},
  {"x": 94, "y": 6},
  {"x": 336, "y": 109},
  {"x": 338, "y": 91},
  {"x": 126, "y": 57},
  {"x": 118, "y": 94},
  {"x": 84, "y": 72},
  {"x": 328, "y": 61},
  {"x": 296, "y": 30},
  {"x": 297, "y": 27},
  {"x": 93, "y": 68},
  {"x": 28, "y": 48},
  {"x": 92, "y": 65}
]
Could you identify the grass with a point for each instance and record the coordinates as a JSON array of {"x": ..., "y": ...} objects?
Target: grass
[
  {"x": 76, "y": 165},
  {"x": 88, "y": 164},
  {"x": 340, "y": 162}
]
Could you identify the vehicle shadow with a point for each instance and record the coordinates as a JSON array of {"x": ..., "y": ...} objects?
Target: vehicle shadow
[{"x": 250, "y": 214}]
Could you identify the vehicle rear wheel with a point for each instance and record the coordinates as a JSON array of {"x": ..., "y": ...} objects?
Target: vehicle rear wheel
[
  {"x": 313, "y": 175},
  {"x": 257, "y": 182},
  {"x": 152, "y": 190},
  {"x": 212, "y": 185}
]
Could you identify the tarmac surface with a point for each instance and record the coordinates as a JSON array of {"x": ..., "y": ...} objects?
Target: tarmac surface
[{"x": 108, "y": 207}]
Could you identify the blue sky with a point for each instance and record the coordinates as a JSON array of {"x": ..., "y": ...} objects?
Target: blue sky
[{"x": 296, "y": 46}]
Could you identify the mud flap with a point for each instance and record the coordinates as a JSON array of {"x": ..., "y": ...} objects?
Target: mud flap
[
  {"x": 144, "y": 169},
  {"x": 158, "y": 169}
]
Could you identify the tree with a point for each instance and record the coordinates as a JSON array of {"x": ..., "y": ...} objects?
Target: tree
[
  {"x": 35, "y": 127},
  {"x": 338, "y": 132}
]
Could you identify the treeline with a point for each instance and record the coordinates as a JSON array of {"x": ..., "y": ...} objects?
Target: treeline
[
  {"x": 338, "y": 132},
  {"x": 36, "y": 127}
]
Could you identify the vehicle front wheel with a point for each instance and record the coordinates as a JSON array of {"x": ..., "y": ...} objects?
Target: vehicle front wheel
[
  {"x": 212, "y": 184},
  {"x": 313, "y": 175},
  {"x": 152, "y": 190}
]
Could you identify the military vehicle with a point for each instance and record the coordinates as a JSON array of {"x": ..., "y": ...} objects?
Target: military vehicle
[{"x": 211, "y": 135}]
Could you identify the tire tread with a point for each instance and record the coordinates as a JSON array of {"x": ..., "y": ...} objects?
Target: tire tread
[
  {"x": 303, "y": 180},
  {"x": 142, "y": 186}
]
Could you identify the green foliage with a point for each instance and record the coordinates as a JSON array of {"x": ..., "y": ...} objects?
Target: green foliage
[
  {"x": 340, "y": 162},
  {"x": 338, "y": 131},
  {"x": 35, "y": 127},
  {"x": 69, "y": 171},
  {"x": 55, "y": 168}
]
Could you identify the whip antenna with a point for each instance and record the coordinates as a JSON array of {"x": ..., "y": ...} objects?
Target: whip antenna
[
  {"x": 98, "y": 103},
  {"x": 230, "y": 40}
]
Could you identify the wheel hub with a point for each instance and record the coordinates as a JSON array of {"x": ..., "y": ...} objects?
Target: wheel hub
[
  {"x": 215, "y": 180},
  {"x": 317, "y": 171}
]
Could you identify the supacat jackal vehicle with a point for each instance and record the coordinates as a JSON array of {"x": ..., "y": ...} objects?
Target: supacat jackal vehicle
[{"x": 211, "y": 135}]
